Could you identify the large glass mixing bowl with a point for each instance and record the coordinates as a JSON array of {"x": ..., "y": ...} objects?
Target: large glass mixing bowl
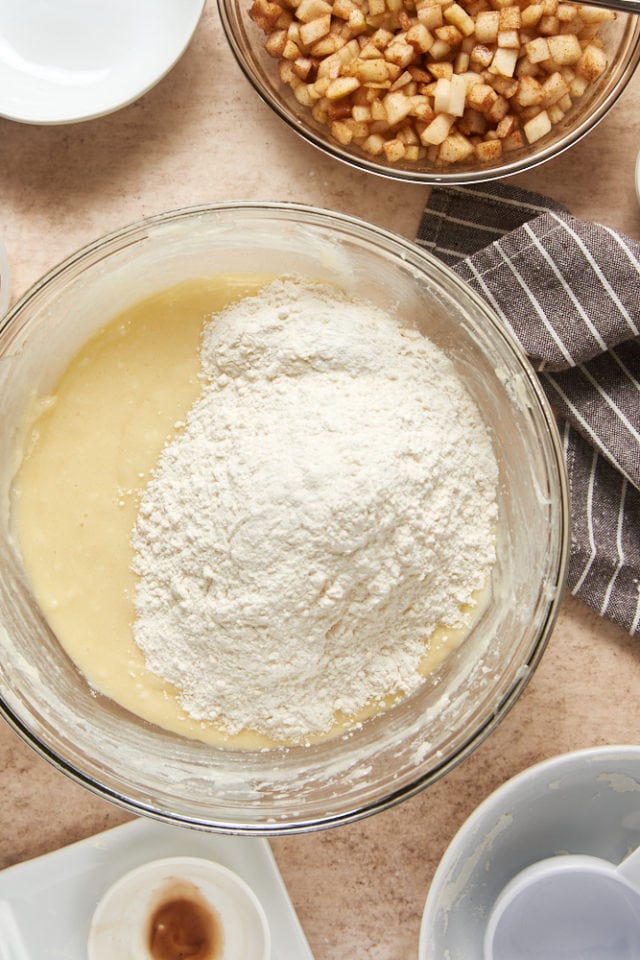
[{"x": 391, "y": 756}]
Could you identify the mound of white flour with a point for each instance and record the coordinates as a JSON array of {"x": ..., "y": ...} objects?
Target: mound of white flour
[{"x": 330, "y": 500}]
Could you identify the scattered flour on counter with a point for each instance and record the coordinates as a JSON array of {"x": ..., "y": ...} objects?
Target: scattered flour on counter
[{"x": 330, "y": 501}]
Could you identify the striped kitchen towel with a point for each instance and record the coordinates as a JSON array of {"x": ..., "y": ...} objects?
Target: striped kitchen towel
[{"x": 569, "y": 291}]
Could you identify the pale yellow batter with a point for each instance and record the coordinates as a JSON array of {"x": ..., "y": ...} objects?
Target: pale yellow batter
[{"x": 89, "y": 453}]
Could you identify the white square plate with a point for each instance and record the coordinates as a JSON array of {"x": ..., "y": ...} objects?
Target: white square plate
[{"x": 46, "y": 904}]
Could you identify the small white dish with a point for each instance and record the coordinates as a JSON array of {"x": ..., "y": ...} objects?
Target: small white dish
[
  {"x": 77, "y": 59},
  {"x": 182, "y": 907},
  {"x": 638, "y": 177},
  {"x": 586, "y": 802}
]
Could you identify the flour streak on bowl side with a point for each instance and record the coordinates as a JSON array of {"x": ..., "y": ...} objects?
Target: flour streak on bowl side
[{"x": 5, "y": 280}]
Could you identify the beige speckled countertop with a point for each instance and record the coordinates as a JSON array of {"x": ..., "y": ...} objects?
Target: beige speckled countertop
[{"x": 203, "y": 135}]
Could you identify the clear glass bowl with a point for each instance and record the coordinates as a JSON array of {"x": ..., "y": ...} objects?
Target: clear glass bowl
[
  {"x": 622, "y": 43},
  {"x": 390, "y": 757}
]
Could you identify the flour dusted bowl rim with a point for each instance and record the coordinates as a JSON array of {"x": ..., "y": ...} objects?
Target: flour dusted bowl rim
[{"x": 394, "y": 755}]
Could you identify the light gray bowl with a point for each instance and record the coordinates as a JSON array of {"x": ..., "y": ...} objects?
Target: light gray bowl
[
  {"x": 5, "y": 280},
  {"x": 586, "y": 802}
]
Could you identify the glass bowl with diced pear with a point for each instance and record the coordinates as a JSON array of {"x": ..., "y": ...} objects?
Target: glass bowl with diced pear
[{"x": 435, "y": 91}]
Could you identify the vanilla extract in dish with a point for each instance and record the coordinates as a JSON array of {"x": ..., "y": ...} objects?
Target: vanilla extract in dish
[{"x": 184, "y": 926}]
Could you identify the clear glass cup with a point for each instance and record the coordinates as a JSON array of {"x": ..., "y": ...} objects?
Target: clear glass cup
[{"x": 390, "y": 757}]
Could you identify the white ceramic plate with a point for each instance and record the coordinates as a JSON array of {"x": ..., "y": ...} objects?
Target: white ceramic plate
[
  {"x": 638, "y": 178},
  {"x": 68, "y": 60},
  {"x": 46, "y": 904}
]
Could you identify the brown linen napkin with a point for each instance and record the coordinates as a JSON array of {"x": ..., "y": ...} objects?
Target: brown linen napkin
[{"x": 569, "y": 291}]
